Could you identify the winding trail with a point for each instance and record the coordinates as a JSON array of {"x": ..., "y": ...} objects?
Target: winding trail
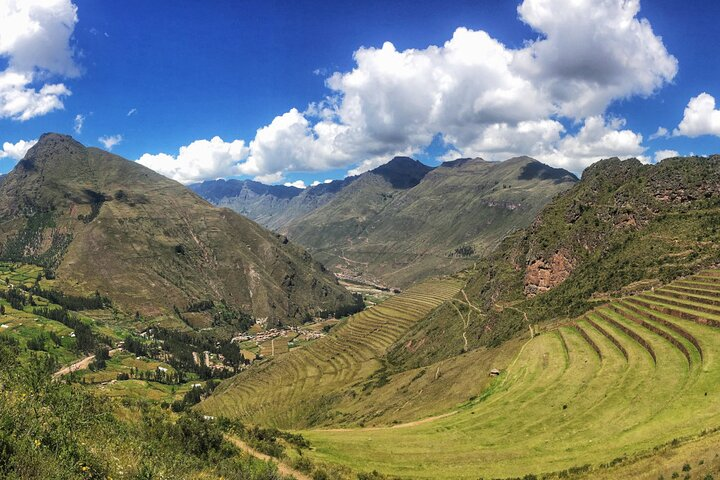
[
  {"x": 399, "y": 425},
  {"x": 466, "y": 321},
  {"x": 283, "y": 468}
]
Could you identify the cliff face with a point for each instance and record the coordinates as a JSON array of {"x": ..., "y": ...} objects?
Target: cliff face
[
  {"x": 615, "y": 202},
  {"x": 542, "y": 275}
]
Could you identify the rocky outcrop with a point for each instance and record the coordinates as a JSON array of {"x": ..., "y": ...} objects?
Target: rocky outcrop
[{"x": 541, "y": 275}]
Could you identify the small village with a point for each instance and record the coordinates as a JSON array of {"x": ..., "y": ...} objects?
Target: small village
[
  {"x": 274, "y": 333},
  {"x": 257, "y": 344}
]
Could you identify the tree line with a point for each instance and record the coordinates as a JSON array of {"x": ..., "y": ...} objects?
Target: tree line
[{"x": 85, "y": 340}]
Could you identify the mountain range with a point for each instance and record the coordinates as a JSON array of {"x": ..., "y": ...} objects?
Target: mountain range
[
  {"x": 624, "y": 229},
  {"x": 101, "y": 223},
  {"x": 404, "y": 220}
]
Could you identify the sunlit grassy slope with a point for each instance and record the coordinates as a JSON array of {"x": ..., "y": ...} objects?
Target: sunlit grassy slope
[
  {"x": 295, "y": 388},
  {"x": 622, "y": 379}
]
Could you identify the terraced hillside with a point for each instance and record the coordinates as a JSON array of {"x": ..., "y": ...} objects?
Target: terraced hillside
[
  {"x": 295, "y": 388},
  {"x": 621, "y": 380}
]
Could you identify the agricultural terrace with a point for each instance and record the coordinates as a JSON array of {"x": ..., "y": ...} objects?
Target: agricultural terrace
[
  {"x": 623, "y": 379},
  {"x": 20, "y": 274},
  {"x": 20, "y": 320},
  {"x": 285, "y": 390},
  {"x": 103, "y": 328}
]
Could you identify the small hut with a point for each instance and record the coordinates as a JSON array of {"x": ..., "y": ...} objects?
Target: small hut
[{"x": 494, "y": 372}]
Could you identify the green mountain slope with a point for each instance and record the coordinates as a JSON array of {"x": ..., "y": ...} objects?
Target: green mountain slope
[
  {"x": 456, "y": 213},
  {"x": 319, "y": 384},
  {"x": 402, "y": 221},
  {"x": 53, "y": 430},
  {"x": 624, "y": 227},
  {"x": 602, "y": 316},
  {"x": 103, "y": 223}
]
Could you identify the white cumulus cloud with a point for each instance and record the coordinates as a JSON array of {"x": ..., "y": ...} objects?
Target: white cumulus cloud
[
  {"x": 109, "y": 141},
  {"x": 273, "y": 177},
  {"x": 700, "y": 117},
  {"x": 296, "y": 184},
  {"x": 598, "y": 138},
  {"x": 486, "y": 98},
  {"x": 16, "y": 151},
  {"x": 592, "y": 52},
  {"x": 35, "y": 39},
  {"x": 78, "y": 123},
  {"x": 318, "y": 182},
  {"x": 480, "y": 96},
  {"x": 200, "y": 160},
  {"x": 663, "y": 154},
  {"x": 291, "y": 143},
  {"x": 661, "y": 132}
]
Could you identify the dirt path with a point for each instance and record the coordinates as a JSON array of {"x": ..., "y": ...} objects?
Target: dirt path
[
  {"x": 465, "y": 325},
  {"x": 527, "y": 320},
  {"x": 282, "y": 468},
  {"x": 466, "y": 321},
  {"x": 400, "y": 425},
  {"x": 81, "y": 364}
]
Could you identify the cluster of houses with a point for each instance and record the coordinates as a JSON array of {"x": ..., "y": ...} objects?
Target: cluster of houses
[
  {"x": 310, "y": 335},
  {"x": 207, "y": 360},
  {"x": 275, "y": 333}
]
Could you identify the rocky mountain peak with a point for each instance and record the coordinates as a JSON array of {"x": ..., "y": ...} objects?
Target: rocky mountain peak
[
  {"x": 462, "y": 162},
  {"x": 403, "y": 172},
  {"x": 51, "y": 147}
]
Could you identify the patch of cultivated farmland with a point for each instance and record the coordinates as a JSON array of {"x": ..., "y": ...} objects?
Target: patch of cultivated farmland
[
  {"x": 276, "y": 346},
  {"x": 19, "y": 274},
  {"x": 292, "y": 389},
  {"x": 621, "y": 380}
]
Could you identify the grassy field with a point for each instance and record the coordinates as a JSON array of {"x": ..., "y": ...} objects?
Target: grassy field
[
  {"x": 622, "y": 380},
  {"x": 696, "y": 457},
  {"x": 24, "y": 325},
  {"x": 302, "y": 386},
  {"x": 274, "y": 347},
  {"x": 144, "y": 390},
  {"x": 122, "y": 362}
]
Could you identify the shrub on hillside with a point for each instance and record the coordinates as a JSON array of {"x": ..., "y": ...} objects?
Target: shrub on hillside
[
  {"x": 374, "y": 475},
  {"x": 36, "y": 343}
]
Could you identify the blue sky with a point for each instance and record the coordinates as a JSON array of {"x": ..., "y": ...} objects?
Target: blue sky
[{"x": 192, "y": 71}]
